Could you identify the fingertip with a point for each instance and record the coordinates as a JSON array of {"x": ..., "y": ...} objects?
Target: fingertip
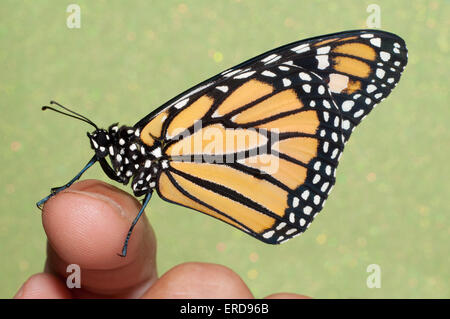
[
  {"x": 87, "y": 224},
  {"x": 43, "y": 286},
  {"x": 199, "y": 280}
]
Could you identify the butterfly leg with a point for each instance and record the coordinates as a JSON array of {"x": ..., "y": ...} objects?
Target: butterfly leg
[
  {"x": 56, "y": 190},
  {"x": 144, "y": 204}
]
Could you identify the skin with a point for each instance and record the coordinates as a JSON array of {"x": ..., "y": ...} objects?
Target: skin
[{"x": 85, "y": 225}]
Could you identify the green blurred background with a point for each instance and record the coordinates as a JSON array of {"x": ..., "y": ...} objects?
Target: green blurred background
[{"x": 128, "y": 57}]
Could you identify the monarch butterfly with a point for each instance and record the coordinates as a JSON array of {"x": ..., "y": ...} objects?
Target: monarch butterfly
[{"x": 296, "y": 105}]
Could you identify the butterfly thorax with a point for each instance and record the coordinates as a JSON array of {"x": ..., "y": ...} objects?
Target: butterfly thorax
[{"x": 130, "y": 158}]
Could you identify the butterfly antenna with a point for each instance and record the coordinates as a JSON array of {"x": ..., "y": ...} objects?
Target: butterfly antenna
[{"x": 73, "y": 114}]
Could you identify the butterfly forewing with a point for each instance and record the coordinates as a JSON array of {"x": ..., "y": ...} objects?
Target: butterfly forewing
[{"x": 294, "y": 108}]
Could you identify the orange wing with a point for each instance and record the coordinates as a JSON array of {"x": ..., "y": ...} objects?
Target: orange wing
[{"x": 258, "y": 145}]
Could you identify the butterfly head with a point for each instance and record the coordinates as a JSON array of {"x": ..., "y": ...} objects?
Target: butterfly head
[{"x": 101, "y": 141}]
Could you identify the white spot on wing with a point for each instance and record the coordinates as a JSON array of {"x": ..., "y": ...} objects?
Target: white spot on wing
[
  {"x": 338, "y": 82},
  {"x": 301, "y": 48},
  {"x": 286, "y": 82},
  {"x": 268, "y": 73},
  {"x": 244, "y": 75},
  {"x": 370, "y": 88},
  {"x": 380, "y": 73},
  {"x": 322, "y": 61},
  {"x": 323, "y": 50},
  {"x": 271, "y": 58},
  {"x": 376, "y": 42},
  {"x": 366, "y": 35},
  {"x": 223, "y": 88},
  {"x": 347, "y": 105},
  {"x": 180, "y": 104},
  {"x": 304, "y": 76},
  {"x": 385, "y": 56}
]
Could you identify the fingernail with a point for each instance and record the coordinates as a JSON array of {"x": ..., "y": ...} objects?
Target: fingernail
[{"x": 106, "y": 199}]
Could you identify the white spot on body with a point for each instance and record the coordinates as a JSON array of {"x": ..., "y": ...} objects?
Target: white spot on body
[
  {"x": 165, "y": 164},
  {"x": 157, "y": 152}
]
